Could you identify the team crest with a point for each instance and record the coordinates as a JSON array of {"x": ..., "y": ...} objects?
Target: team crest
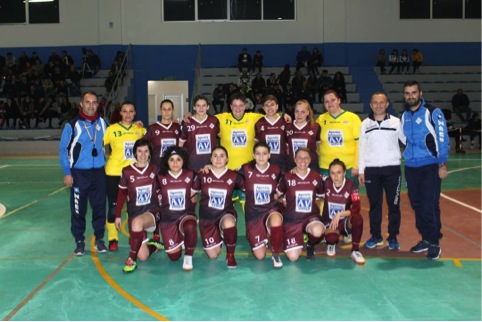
[{"x": 303, "y": 201}]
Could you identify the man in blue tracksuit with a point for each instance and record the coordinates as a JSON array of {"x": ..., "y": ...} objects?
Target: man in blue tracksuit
[
  {"x": 425, "y": 165},
  {"x": 82, "y": 160}
]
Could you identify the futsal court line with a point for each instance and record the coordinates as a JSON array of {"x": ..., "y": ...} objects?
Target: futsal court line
[
  {"x": 457, "y": 201},
  {"x": 4, "y": 166}
]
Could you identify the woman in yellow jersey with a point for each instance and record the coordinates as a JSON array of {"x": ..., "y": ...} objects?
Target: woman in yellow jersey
[
  {"x": 120, "y": 137},
  {"x": 340, "y": 131}
]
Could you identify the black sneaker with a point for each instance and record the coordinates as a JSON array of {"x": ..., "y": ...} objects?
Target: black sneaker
[
  {"x": 310, "y": 252},
  {"x": 80, "y": 249},
  {"x": 434, "y": 252},
  {"x": 100, "y": 246},
  {"x": 422, "y": 246}
]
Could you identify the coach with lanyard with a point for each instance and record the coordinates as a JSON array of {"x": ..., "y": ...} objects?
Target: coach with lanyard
[{"x": 82, "y": 160}]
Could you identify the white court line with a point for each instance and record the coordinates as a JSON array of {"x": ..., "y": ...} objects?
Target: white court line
[
  {"x": 30, "y": 165},
  {"x": 4, "y": 166},
  {"x": 33, "y": 202},
  {"x": 460, "y": 202}
]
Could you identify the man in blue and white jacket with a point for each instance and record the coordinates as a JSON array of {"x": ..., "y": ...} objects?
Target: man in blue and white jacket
[{"x": 425, "y": 156}]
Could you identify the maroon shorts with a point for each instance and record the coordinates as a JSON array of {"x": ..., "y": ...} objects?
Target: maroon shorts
[
  {"x": 257, "y": 230},
  {"x": 211, "y": 232},
  {"x": 155, "y": 215},
  {"x": 293, "y": 232},
  {"x": 342, "y": 226},
  {"x": 172, "y": 233}
]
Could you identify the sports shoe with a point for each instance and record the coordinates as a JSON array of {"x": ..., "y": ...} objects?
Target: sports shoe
[
  {"x": 347, "y": 239},
  {"x": 305, "y": 238},
  {"x": 434, "y": 252},
  {"x": 130, "y": 266},
  {"x": 187, "y": 264},
  {"x": 422, "y": 246},
  {"x": 393, "y": 243},
  {"x": 358, "y": 257},
  {"x": 310, "y": 252},
  {"x": 374, "y": 242},
  {"x": 100, "y": 246},
  {"x": 80, "y": 248},
  {"x": 157, "y": 244},
  {"x": 331, "y": 250},
  {"x": 277, "y": 263},
  {"x": 231, "y": 261},
  {"x": 113, "y": 245}
]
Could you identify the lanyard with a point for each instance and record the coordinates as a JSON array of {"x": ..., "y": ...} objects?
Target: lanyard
[{"x": 88, "y": 132}]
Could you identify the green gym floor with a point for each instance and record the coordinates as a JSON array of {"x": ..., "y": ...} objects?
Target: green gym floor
[{"x": 40, "y": 279}]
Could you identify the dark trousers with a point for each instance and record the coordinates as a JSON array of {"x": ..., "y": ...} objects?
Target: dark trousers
[
  {"x": 424, "y": 185},
  {"x": 89, "y": 186},
  {"x": 378, "y": 179}
]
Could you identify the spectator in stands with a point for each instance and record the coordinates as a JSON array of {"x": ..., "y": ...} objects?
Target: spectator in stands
[
  {"x": 49, "y": 87},
  {"x": 289, "y": 100},
  {"x": 13, "y": 112},
  {"x": 312, "y": 87},
  {"x": 247, "y": 91},
  {"x": 65, "y": 110},
  {"x": 315, "y": 61},
  {"x": 453, "y": 131},
  {"x": 393, "y": 61},
  {"x": 62, "y": 88},
  {"x": 404, "y": 62},
  {"x": 67, "y": 60},
  {"x": 325, "y": 82},
  {"x": 11, "y": 61},
  {"x": 339, "y": 85},
  {"x": 244, "y": 61},
  {"x": 3, "y": 114},
  {"x": 284, "y": 77},
  {"x": 244, "y": 78},
  {"x": 381, "y": 60},
  {"x": 460, "y": 104},
  {"x": 258, "y": 61},
  {"x": 417, "y": 59},
  {"x": 302, "y": 58},
  {"x": 34, "y": 58},
  {"x": 258, "y": 85},
  {"x": 54, "y": 58},
  {"x": 74, "y": 84},
  {"x": 473, "y": 129},
  {"x": 219, "y": 97},
  {"x": 22, "y": 62},
  {"x": 41, "y": 111},
  {"x": 93, "y": 60},
  {"x": 299, "y": 85},
  {"x": 109, "y": 82},
  {"x": 271, "y": 80},
  {"x": 26, "y": 112}
]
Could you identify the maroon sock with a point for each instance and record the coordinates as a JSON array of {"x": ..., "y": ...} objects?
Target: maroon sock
[
  {"x": 356, "y": 230},
  {"x": 230, "y": 236},
  {"x": 136, "y": 242},
  {"x": 312, "y": 240},
  {"x": 276, "y": 238},
  {"x": 190, "y": 236}
]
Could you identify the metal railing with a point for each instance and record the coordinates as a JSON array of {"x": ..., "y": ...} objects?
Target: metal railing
[
  {"x": 118, "y": 82},
  {"x": 197, "y": 77}
]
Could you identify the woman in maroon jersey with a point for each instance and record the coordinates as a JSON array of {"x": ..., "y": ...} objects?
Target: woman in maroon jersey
[
  {"x": 217, "y": 216},
  {"x": 300, "y": 189},
  {"x": 138, "y": 185},
  {"x": 178, "y": 220},
  {"x": 262, "y": 211},
  {"x": 341, "y": 211}
]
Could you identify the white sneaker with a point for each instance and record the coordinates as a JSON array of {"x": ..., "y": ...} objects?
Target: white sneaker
[
  {"x": 358, "y": 257},
  {"x": 277, "y": 263},
  {"x": 331, "y": 250},
  {"x": 347, "y": 239},
  {"x": 187, "y": 265}
]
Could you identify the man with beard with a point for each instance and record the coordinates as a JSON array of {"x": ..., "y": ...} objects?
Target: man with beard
[{"x": 425, "y": 165}]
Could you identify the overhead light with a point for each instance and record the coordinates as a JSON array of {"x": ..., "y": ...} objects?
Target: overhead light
[{"x": 39, "y": 1}]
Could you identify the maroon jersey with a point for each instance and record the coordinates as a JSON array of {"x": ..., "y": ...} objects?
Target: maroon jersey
[
  {"x": 340, "y": 199},
  {"x": 200, "y": 138},
  {"x": 273, "y": 134},
  {"x": 161, "y": 137},
  {"x": 301, "y": 194},
  {"x": 216, "y": 192},
  {"x": 175, "y": 195},
  {"x": 141, "y": 186},
  {"x": 260, "y": 188},
  {"x": 307, "y": 136}
]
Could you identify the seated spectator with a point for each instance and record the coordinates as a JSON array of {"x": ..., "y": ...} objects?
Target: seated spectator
[
  {"x": 289, "y": 100},
  {"x": 258, "y": 61},
  {"x": 22, "y": 62},
  {"x": 302, "y": 58},
  {"x": 244, "y": 61},
  {"x": 219, "y": 97},
  {"x": 339, "y": 85},
  {"x": 417, "y": 59},
  {"x": 54, "y": 58},
  {"x": 284, "y": 77},
  {"x": 13, "y": 112},
  {"x": 11, "y": 61},
  {"x": 65, "y": 110},
  {"x": 246, "y": 90},
  {"x": 109, "y": 82},
  {"x": 404, "y": 62},
  {"x": 258, "y": 85},
  {"x": 381, "y": 60},
  {"x": 73, "y": 81},
  {"x": 26, "y": 112},
  {"x": 298, "y": 84},
  {"x": 473, "y": 129},
  {"x": 453, "y": 131},
  {"x": 460, "y": 104},
  {"x": 315, "y": 61},
  {"x": 325, "y": 82},
  {"x": 393, "y": 61},
  {"x": 62, "y": 88},
  {"x": 34, "y": 58},
  {"x": 67, "y": 61},
  {"x": 271, "y": 80},
  {"x": 312, "y": 87},
  {"x": 93, "y": 61},
  {"x": 3, "y": 114},
  {"x": 244, "y": 78}
]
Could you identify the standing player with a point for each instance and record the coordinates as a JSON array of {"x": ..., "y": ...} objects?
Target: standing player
[
  {"x": 217, "y": 216},
  {"x": 341, "y": 211},
  {"x": 199, "y": 136},
  {"x": 120, "y": 137},
  {"x": 165, "y": 133},
  {"x": 178, "y": 220},
  {"x": 303, "y": 133},
  {"x": 301, "y": 188},
  {"x": 138, "y": 184},
  {"x": 262, "y": 211},
  {"x": 271, "y": 130}
]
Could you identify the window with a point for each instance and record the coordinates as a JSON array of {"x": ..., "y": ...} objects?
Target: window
[
  {"x": 439, "y": 9},
  {"x": 245, "y": 9},
  {"x": 179, "y": 10},
  {"x": 39, "y": 11},
  {"x": 447, "y": 9},
  {"x": 472, "y": 9},
  {"x": 279, "y": 9},
  {"x": 414, "y": 9},
  {"x": 212, "y": 10}
]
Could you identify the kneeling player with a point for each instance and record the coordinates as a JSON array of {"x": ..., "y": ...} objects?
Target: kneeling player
[
  {"x": 341, "y": 211},
  {"x": 138, "y": 185}
]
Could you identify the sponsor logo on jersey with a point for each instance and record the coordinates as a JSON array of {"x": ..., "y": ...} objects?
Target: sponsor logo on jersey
[
  {"x": 128, "y": 150},
  {"x": 239, "y": 138},
  {"x": 143, "y": 194},
  {"x": 334, "y": 208},
  {"x": 177, "y": 199},
  {"x": 165, "y": 143},
  {"x": 273, "y": 142},
  {"x": 217, "y": 198},
  {"x": 262, "y": 194},
  {"x": 304, "y": 201},
  {"x": 299, "y": 143},
  {"x": 335, "y": 137},
  {"x": 203, "y": 144}
]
